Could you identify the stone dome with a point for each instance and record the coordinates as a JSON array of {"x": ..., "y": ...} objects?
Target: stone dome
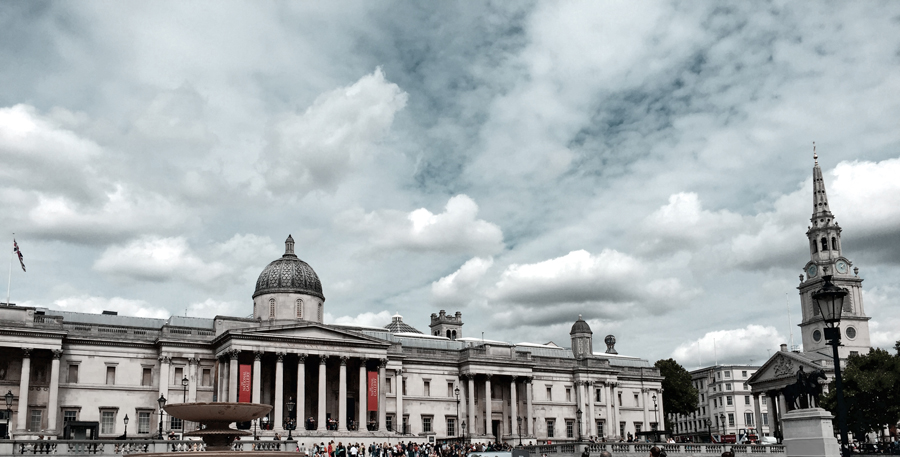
[
  {"x": 580, "y": 326},
  {"x": 289, "y": 274}
]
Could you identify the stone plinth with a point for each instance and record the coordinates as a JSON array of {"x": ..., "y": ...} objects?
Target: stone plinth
[{"x": 809, "y": 433}]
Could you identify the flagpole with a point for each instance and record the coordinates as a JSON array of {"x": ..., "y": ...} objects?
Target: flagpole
[{"x": 9, "y": 279}]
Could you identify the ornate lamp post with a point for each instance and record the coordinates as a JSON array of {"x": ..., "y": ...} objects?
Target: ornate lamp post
[
  {"x": 656, "y": 412},
  {"x": 162, "y": 403},
  {"x": 184, "y": 386},
  {"x": 126, "y": 427},
  {"x": 519, "y": 420},
  {"x": 254, "y": 429},
  {"x": 830, "y": 302},
  {"x": 9, "y": 399},
  {"x": 578, "y": 414},
  {"x": 289, "y": 423},
  {"x": 464, "y": 431},
  {"x": 265, "y": 422},
  {"x": 456, "y": 391},
  {"x": 709, "y": 428},
  {"x": 724, "y": 429}
]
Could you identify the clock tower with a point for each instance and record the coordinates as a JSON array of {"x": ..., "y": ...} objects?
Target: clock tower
[{"x": 826, "y": 258}]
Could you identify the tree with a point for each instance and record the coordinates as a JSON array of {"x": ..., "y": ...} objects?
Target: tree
[
  {"x": 871, "y": 385},
  {"x": 680, "y": 395}
]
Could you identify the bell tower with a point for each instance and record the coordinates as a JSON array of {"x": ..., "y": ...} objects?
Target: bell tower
[{"x": 826, "y": 258}]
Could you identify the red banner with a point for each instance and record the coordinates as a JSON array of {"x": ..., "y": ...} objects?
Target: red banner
[
  {"x": 373, "y": 390},
  {"x": 245, "y": 381}
]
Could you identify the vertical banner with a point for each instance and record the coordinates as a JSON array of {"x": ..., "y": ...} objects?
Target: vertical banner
[
  {"x": 373, "y": 390},
  {"x": 245, "y": 381}
]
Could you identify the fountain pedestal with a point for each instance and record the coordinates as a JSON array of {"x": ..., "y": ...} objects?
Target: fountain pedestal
[{"x": 216, "y": 417}]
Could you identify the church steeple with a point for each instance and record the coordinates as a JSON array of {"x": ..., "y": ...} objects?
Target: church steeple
[{"x": 826, "y": 258}]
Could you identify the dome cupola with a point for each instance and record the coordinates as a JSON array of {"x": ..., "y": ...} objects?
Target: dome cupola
[
  {"x": 288, "y": 289},
  {"x": 582, "y": 339}
]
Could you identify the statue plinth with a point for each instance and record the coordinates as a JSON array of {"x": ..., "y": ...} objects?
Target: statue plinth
[{"x": 809, "y": 433}]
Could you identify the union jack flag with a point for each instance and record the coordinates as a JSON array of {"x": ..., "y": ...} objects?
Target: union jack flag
[{"x": 19, "y": 252}]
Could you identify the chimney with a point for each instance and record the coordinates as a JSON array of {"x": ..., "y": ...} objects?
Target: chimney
[{"x": 784, "y": 348}]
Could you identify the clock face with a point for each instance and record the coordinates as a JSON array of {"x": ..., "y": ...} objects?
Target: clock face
[
  {"x": 841, "y": 266},
  {"x": 812, "y": 270}
]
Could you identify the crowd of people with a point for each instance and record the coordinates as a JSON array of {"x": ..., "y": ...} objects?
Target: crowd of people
[{"x": 401, "y": 449}]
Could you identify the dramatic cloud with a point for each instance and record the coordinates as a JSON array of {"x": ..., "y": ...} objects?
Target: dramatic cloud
[
  {"x": 367, "y": 319},
  {"x": 337, "y": 134},
  {"x": 457, "y": 230},
  {"x": 748, "y": 345},
  {"x": 96, "y": 305},
  {"x": 460, "y": 286}
]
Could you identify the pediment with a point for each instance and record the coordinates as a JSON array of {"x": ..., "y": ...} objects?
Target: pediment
[
  {"x": 307, "y": 332},
  {"x": 781, "y": 370}
]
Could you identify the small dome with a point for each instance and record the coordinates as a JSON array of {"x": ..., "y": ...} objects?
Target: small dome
[
  {"x": 580, "y": 326},
  {"x": 289, "y": 274}
]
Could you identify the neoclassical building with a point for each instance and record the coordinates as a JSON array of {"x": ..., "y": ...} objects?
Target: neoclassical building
[
  {"x": 826, "y": 258},
  {"x": 78, "y": 375}
]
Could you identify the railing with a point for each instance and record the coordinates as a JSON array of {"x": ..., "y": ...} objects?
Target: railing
[
  {"x": 642, "y": 449},
  {"x": 126, "y": 447}
]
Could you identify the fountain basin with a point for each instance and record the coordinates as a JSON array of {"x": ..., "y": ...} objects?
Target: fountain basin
[{"x": 206, "y": 412}]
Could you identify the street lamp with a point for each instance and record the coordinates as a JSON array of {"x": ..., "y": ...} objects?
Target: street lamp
[
  {"x": 656, "y": 411},
  {"x": 578, "y": 416},
  {"x": 724, "y": 429},
  {"x": 265, "y": 422},
  {"x": 9, "y": 399},
  {"x": 519, "y": 420},
  {"x": 126, "y": 427},
  {"x": 289, "y": 424},
  {"x": 464, "y": 431},
  {"x": 456, "y": 391},
  {"x": 162, "y": 403},
  {"x": 830, "y": 302},
  {"x": 184, "y": 385},
  {"x": 709, "y": 428},
  {"x": 254, "y": 429}
]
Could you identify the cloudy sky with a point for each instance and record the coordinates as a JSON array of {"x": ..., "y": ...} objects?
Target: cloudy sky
[{"x": 647, "y": 165}]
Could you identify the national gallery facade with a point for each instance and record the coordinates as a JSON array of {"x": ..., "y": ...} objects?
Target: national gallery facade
[{"x": 78, "y": 375}]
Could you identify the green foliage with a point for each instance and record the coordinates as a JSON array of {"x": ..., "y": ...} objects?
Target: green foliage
[
  {"x": 871, "y": 385},
  {"x": 679, "y": 394}
]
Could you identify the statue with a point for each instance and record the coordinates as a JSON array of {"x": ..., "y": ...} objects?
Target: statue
[{"x": 806, "y": 391}]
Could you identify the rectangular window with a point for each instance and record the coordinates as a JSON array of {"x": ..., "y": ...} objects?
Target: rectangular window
[
  {"x": 731, "y": 419},
  {"x": 568, "y": 394},
  {"x": 36, "y": 416},
  {"x": 450, "y": 392},
  {"x": 550, "y": 428},
  {"x": 70, "y": 415},
  {"x": 600, "y": 432},
  {"x": 143, "y": 425},
  {"x": 765, "y": 418},
  {"x": 110, "y": 376},
  {"x": 179, "y": 375},
  {"x": 387, "y": 385},
  {"x": 746, "y": 386},
  {"x": 175, "y": 423},
  {"x": 620, "y": 398},
  {"x": 427, "y": 388},
  {"x": 549, "y": 393},
  {"x": 206, "y": 380},
  {"x": 763, "y": 400},
  {"x": 703, "y": 410},
  {"x": 746, "y": 399},
  {"x": 748, "y": 419},
  {"x": 598, "y": 396},
  {"x": 73, "y": 374},
  {"x": 426, "y": 424},
  {"x": 570, "y": 429},
  {"x": 146, "y": 377},
  {"x": 727, "y": 374},
  {"x": 638, "y": 426},
  {"x": 743, "y": 374},
  {"x": 728, "y": 386},
  {"x": 405, "y": 424},
  {"x": 622, "y": 429},
  {"x": 389, "y": 422},
  {"x": 107, "y": 422},
  {"x": 403, "y": 381},
  {"x": 637, "y": 401},
  {"x": 451, "y": 427},
  {"x": 719, "y": 375},
  {"x": 729, "y": 400}
]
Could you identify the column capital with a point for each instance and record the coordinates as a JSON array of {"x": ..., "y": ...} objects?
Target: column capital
[
  {"x": 514, "y": 378},
  {"x": 399, "y": 371},
  {"x": 645, "y": 389},
  {"x": 488, "y": 376},
  {"x": 301, "y": 358},
  {"x": 323, "y": 359},
  {"x": 57, "y": 353},
  {"x": 280, "y": 356},
  {"x": 26, "y": 352},
  {"x": 344, "y": 360},
  {"x": 382, "y": 363},
  {"x": 193, "y": 360},
  {"x": 165, "y": 359},
  {"x": 257, "y": 355},
  {"x": 233, "y": 354}
]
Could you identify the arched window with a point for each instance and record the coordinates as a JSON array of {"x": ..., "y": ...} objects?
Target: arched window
[
  {"x": 320, "y": 312},
  {"x": 299, "y": 309},
  {"x": 824, "y": 243},
  {"x": 271, "y": 308},
  {"x": 834, "y": 243},
  {"x": 453, "y": 335},
  {"x": 448, "y": 333},
  {"x": 815, "y": 246}
]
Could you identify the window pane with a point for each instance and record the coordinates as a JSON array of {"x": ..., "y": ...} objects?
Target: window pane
[
  {"x": 36, "y": 420},
  {"x": 73, "y": 374},
  {"x": 110, "y": 375},
  {"x": 144, "y": 422},
  {"x": 107, "y": 422}
]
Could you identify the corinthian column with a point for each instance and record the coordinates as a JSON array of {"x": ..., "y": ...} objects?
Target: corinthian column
[
  {"x": 382, "y": 412},
  {"x": 323, "y": 359},
  {"x": 471, "y": 409},
  {"x": 514, "y": 408},
  {"x": 301, "y": 390},
  {"x": 279, "y": 391},
  {"x": 342, "y": 395},
  {"x": 53, "y": 406},
  {"x": 257, "y": 376},
  {"x": 487, "y": 405},
  {"x": 361, "y": 421},
  {"x": 233, "y": 382}
]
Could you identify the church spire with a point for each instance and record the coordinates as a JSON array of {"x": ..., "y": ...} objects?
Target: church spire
[
  {"x": 824, "y": 233},
  {"x": 821, "y": 212}
]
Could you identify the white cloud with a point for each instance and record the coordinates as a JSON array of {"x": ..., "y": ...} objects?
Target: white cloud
[
  {"x": 460, "y": 286},
  {"x": 456, "y": 230},
  {"x": 379, "y": 319},
  {"x": 96, "y": 305},
  {"x": 154, "y": 258},
  {"x": 735, "y": 346},
  {"x": 337, "y": 134},
  {"x": 211, "y": 307}
]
